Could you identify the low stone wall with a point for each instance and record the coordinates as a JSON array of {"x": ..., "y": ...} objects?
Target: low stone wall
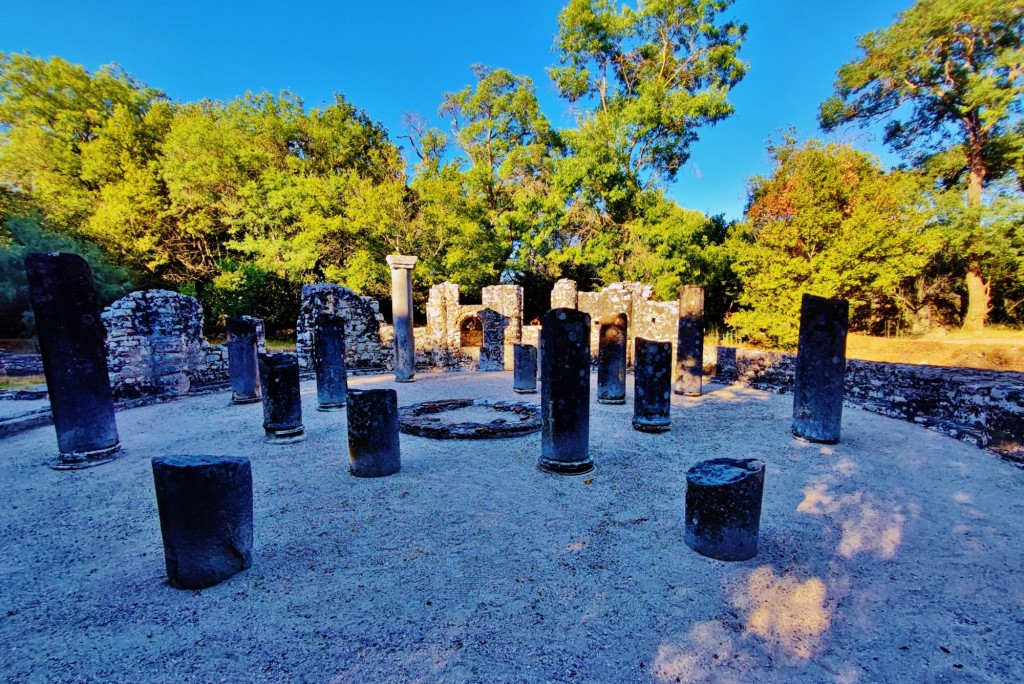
[
  {"x": 983, "y": 408},
  {"x": 13, "y": 365},
  {"x": 365, "y": 347}
]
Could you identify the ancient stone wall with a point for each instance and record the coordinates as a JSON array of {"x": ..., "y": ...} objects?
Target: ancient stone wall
[
  {"x": 364, "y": 348},
  {"x": 646, "y": 318},
  {"x": 984, "y": 408},
  {"x": 20, "y": 364},
  {"x": 563, "y": 294}
]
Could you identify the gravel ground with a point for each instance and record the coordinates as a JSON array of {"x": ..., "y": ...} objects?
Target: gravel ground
[{"x": 894, "y": 556}]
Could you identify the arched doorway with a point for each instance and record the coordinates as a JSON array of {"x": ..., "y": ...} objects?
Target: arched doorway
[{"x": 471, "y": 332}]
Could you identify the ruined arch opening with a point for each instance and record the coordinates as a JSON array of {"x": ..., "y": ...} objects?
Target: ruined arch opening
[{"x": 471, "y": 332}]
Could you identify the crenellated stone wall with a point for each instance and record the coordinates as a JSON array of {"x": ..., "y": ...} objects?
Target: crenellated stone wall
[{"x": 364, "y": 346}]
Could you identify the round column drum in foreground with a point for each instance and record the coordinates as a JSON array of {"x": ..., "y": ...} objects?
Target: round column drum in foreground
[
  {"x": 723, "y": 507},
  {"x": 373, "y": 444},
  {"x": 205, "y": 507}
]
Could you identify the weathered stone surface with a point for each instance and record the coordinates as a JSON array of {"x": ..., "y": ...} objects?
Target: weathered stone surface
[
  {"x": 373, "y": 444},
  {"x": 329, "y": 362},
  {"x": 243, "y": 366},
  {"x": 648, "y": 319},
  {"x": 282, "y": 402},
  {"x": 502, "y": 329},
  {"x": 563, "y": 294},
  {"x": 611, "y": 360},
  {"x": 690, "y": 341},
  {"x": 401, "y": 313},
  {"x": 16, "y": 365},
  {"x": 565, "y": 393},
  {"x": 524, "y": 379},
  {"x": 514, "y": 420},
  {"x": 71, "y": 339},
  {"x": 820, "y": 369},
  {"x": 364, "y": 347},
  {"x": 723, "y": 508},
  {"x": 652, "y": 385},
  {"x": 205, "y": 507}
]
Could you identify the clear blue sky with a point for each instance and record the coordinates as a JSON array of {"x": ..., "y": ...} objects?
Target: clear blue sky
[{"x": 395, "y": 56}]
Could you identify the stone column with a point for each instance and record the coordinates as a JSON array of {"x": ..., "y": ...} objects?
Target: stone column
[
  {"x": 611, "y": 360},
  {"x": 329, "y": 362},
  {"x": 723, "y": 508},
  {"x": 820, "y": 369},
  {"x": 282, "y": 402},
  {"x": 565, "y": 393},
  {"x": 524, "y": 380},
  {"x": 652, "y": 385},
  {"x": 205, "y": 507},
  {"x": 401, "y": 311},
  {"x": 72, "y": 341},
  {"x": 690, "y": 343},
  {"x": 243, "y": 368},
  {"x": 374, "y": 449}
]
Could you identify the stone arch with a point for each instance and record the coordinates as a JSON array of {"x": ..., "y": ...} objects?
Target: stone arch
[{"x": 471, "y": 331}]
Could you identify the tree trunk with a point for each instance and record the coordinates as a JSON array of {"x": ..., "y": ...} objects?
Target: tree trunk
[{"x": 978, "y": 299}]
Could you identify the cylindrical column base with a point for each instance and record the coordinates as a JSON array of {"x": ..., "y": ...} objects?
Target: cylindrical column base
[
  {"x": 77, "y": 460},
  {"x": 524, "y": 379},
  {"x": 205, "y": 507},
  {"x": 652, "y": 386},
  {"x": 820, "y": 369},
  {"x": 565, "y": 393},
  {"x": 374, "y": 449},
  {"x": 282, "y": 401},
  {"x": 243, "y": 367},
  {"x": 611, "y": 360},
  {"x": 723, "y": 507}
]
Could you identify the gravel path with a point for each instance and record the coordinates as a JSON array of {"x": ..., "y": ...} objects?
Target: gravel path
[{"x": 894, "y": 556}]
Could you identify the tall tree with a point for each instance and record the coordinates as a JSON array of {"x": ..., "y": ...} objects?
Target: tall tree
[
  {"x": 946, "y": 70},
  {"x": 828, "y": 221}
]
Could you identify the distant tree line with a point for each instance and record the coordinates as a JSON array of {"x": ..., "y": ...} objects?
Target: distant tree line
[{"x": 240, "y": 203}]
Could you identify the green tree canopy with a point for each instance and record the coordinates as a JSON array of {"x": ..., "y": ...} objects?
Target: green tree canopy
[{"x": 948, "y": 77}]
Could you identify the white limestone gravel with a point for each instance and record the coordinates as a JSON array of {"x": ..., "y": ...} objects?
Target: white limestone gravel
[{"x": 894, "y": 556}]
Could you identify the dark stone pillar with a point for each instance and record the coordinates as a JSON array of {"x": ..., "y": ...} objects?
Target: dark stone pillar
[
  {"x": 373, "y": 446},
  {"x": 723, "y": 507},
  {"x": 524, "y": 380},
  {"x": 282, "y": 402},
  {"x": 690, "y": 342},
  {"x": 652, "y": 385},
  {"x": 205, "y": 506},
  {"x": 243, "y": 368},
  {"x": 72, "y": 340},
  {"x": 401, "y": 314},
  {"x": 611, "y": 360},
  {"x": 820, "y": 369},
  {"x": 565, "y": 393},
  {"x": 329, "y": 362}
]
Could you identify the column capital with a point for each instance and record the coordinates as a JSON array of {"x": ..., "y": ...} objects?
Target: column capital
[{"x": 396, "y": 261}]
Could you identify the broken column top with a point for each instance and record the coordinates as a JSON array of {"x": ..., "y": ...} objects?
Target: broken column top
[
  {"x": 721, "y": 471},
  {"x": 401, "y": 261}
]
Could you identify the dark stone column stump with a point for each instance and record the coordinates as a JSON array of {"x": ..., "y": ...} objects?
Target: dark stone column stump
[
  {"x": 72, "y": 341},
  {"x": 652, "y": 385},
  {"x": 374, "y": 449},
  {"x": 611, "y": 360},
  {"x": 723, "y": 507},
  {"x": 820, "y": 369},
  {"x": 282, "y": 402},
  {"x": 329, "y": 362},
  {"x": 205, "y": 506},
  {"x": 690, "y": 342},
  {"x": 524, "y": 380},
  {"x": 243, "y": 368},
  {"x": 565, "y": 393}
]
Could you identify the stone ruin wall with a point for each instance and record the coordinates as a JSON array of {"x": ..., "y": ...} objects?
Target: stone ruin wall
[
  {"x": 367, "y": 344},
  {"x": 14, "y": 365},
  {"x": 646, "y": 318},
  {"x": 155, "y": 345}
]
